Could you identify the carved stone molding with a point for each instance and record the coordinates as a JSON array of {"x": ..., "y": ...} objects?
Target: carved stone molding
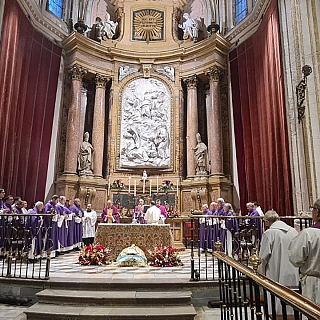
[
  {"x": 191, "y": 82},
  {"x": 77, "y": 72},
  {"x": 215, "y": 73},
  {"x": 101, "y": 81}
]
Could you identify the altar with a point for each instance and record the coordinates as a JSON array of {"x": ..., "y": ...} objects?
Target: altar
[{"x": 117, "y": 236}]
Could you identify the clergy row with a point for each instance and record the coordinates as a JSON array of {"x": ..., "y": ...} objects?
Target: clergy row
[
  {"x": 69, "y": 227},
  {"x": 212, "y": 229}
]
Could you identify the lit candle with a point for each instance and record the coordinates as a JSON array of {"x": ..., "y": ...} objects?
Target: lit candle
[
  {"x": 177, "y": 188},
  {"x": 109, "y": 187},
  {"x": 150, "y": 188},
  {"x": 135, "y": 188},
  {"x": 129, "y": 184},
  {"x": 144, "y": 186},
  {"x": 157, "y": 184}
]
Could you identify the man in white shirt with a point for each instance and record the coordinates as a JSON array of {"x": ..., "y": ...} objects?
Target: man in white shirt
[{"x": 153, "y": 214}]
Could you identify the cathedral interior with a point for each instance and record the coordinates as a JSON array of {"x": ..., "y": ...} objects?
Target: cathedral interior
[{"x": 187, "y": 101}]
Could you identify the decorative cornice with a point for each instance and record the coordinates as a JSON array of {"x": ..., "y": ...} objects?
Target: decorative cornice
[{"x": 77, "y": 72}]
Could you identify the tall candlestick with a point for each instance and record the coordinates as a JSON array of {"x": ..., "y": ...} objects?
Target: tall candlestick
[
  {"x": 177, "y": 188},
  {"x": 157, "y": 184},
  {"x": 150, "y": 188},
  {"x": 135, "y": 188},
  {"x": 129, "y": 184},
  {"x": 144, "y": 186},
  {"x": 109, "y": 185}
]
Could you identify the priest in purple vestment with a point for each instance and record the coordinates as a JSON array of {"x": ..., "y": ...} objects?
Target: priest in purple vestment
[
  {"x": 255, "y": 223},
  {"x": 110, "y": 213},
  {"x": 63, "y": 215},
  {"x": 33, "y": 226},
  {"x": 77, "y": 213},
  {"x": 50, "y": 235},
  {"x": 162, "y": 208},
  {"x": 2, "y": 220}
]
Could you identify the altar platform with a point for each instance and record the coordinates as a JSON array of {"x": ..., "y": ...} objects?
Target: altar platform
[{"x": 118, "y": 236}]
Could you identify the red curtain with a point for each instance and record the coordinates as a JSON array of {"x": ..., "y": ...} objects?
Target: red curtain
[
  {"x": 29, "y": 69},
  {"x": 260, "y": 119}
]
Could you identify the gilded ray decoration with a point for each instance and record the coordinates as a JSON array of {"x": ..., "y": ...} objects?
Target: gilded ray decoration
[{"x": 147, "y": 25}]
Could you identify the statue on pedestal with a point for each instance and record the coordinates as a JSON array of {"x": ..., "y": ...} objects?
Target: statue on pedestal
[
  {"x": 201, "y": 157},
  {"x": 190, "y": 27},
  {"x": 106, "y": 28},
  {"x": 85, "y": 156}
]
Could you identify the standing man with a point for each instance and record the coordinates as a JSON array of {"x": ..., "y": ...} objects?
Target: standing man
[
  {"x": 77, "y": 213},
  {"x": 50, "y": 208},
  {"x": 252, "y": 212},
  {"x": 110, "y": 213},
  {"x": 162, "y": 208},
  {"x": 274, "y": 254},
  {"x": 304, "y": 252},
  {"x": 64, "y": 213},
  {"x": 89, "y": 220},
  {"x": 153, "y": 214}
]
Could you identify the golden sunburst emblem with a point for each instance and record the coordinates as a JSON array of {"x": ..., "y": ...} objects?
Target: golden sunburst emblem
[{"x": 148, "y": 25}]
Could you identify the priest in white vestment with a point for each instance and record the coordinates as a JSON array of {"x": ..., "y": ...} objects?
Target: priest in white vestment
[
  {"x": 89, "y": 220},
  {"x": 304, "y": 252},
  {"x": 274, "y": 254},
  {"x": 153, "y": 214}
]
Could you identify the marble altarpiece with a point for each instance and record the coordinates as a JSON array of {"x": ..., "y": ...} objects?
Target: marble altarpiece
[{"x": 143, "y": 96}]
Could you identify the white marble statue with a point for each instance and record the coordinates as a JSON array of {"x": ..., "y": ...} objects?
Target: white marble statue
[
  {"x": 190, "y": 27},
  {"x": 106, "y": 28},
  {"x": 85, "y": 156},
  {"x": 145, "y": 124}
]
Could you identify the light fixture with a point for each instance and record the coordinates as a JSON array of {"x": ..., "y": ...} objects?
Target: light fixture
[{"x": 301, "y": 91}]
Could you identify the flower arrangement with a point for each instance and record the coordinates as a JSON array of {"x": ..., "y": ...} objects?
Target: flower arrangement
[
  {"x": 165, "y": 257},
  {"x": 118, "y": 184},
  {"x": 94, "y": 255},
  {"x": 166, "y": 186}
]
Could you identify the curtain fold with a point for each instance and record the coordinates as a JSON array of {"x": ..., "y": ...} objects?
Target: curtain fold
[
  {"x": 29, "y": 67},
  {"x": 261, "y": 136}
]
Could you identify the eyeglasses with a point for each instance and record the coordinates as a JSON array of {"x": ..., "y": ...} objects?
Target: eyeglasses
[{"x": 313, "y": 208}]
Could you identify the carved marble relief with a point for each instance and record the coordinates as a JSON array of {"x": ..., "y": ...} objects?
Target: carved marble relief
[
  {"x": 125, "y": 71},
  {"x": 145, "y": 124},
  {"x": 166, "y": 71}
]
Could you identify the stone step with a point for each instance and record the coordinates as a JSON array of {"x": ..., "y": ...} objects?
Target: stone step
[
  {"x": 112, "y": 298},
  {"x": 41, "y": 311}
]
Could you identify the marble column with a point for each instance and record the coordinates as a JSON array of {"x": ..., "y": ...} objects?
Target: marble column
[
  {"x": 192, "y": 123},
  {"x": 99, "y": 124},
  {"x": 215, "y": 146},
  {"x": 73, "y": 127}
]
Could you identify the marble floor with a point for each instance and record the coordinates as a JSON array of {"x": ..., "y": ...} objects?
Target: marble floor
[{"x": 65, "y": 265}]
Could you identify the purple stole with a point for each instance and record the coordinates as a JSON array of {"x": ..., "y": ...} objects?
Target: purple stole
[{"x": 316, "y": 225}]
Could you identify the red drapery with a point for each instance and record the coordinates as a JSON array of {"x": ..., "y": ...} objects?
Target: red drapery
[
  {"x": 260, "y": 120},
  {"x": 29, "y": 69}
]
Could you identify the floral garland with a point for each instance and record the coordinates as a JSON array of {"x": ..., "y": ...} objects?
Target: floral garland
[
  {"x": 166, "y": 186},
  {"x": 165, "y": 257},
  {"x": 118, "y": 184},
  {"x": 94, "y": 255}
]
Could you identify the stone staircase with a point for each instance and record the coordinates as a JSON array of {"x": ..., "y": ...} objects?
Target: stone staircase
[{"x": 61, "y": 303}]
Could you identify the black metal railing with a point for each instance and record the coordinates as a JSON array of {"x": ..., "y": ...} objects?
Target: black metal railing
[
  {"x": 246, "y": 294},
  {"x": 238, "y": 236},
  {"x": 25, "y": 245}
]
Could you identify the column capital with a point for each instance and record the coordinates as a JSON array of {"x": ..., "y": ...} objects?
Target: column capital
[
  {"x": 191, "y": 82},
  {"x": 215, "y": 73},
  {"x": 101, "y": 81},
  {"x": 77, "y": 72}
]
